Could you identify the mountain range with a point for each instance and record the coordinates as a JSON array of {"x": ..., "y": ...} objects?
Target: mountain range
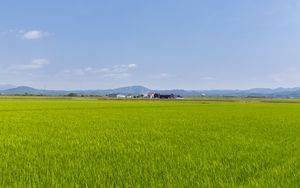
[{"x": 256, "y": 92}]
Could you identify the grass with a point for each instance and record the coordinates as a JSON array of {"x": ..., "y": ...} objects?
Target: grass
[{"x": 111, "y": 143}]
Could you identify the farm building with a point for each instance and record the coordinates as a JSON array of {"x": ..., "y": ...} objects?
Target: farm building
[
  {"x": 150, "y": 94},
  {"x": 120, "y": 96},
  {"x": 164, "y": 96}
]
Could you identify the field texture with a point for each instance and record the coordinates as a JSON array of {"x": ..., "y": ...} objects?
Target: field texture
[{"x": 92, "y": 143}]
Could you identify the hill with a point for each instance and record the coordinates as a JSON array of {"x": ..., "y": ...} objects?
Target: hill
[{"x": 256, "y": 92}]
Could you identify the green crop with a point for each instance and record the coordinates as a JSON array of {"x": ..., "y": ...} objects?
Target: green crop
[{"x": 111, "y": 143}]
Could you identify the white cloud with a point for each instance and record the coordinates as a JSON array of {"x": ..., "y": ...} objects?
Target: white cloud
[
  {"x": 25, "y": 34},
  {"x": 33, "y": 34},
  {"x": 117, "y": 71},
  {"x": 132, "y": 66},
  {"x": 33, "y": 65}
]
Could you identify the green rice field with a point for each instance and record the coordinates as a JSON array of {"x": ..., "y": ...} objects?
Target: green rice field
[{"x": 52, "y": 142}]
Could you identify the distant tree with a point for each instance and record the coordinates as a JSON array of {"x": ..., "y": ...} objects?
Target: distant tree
[{"x": 72, "y": 95}]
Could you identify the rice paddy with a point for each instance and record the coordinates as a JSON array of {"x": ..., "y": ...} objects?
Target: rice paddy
[{"x": 113, "y": 143}]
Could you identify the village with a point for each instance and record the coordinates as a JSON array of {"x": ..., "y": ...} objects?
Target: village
[{"x": 149, "y": 95}]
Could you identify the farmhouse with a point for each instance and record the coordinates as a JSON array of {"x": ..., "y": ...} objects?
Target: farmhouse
[
  {"x": 120, "y": 96},
  {"x": 164, "y": 96},
  {"x": 150, "y": 95},
  {"x": 167, "y": 96}
]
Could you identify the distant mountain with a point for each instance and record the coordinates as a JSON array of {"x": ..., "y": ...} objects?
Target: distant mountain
[
  {"x": 6, "y": 86},
  {"x": 135, "y": 90},
  {"x": 130, "y": 90},
  {"x": 21, "y": 89}
]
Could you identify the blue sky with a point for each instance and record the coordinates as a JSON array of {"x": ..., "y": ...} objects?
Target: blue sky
[{"x": 162, "y": 44}]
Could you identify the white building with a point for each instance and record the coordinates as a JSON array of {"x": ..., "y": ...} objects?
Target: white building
[{"x": 120, "y": 96}]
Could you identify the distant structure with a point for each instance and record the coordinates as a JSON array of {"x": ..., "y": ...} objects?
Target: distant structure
[
  {"x": 164, "y": 96},
  {"x": 120, "y": 96},
  {"x": 149, "y": 95}
]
